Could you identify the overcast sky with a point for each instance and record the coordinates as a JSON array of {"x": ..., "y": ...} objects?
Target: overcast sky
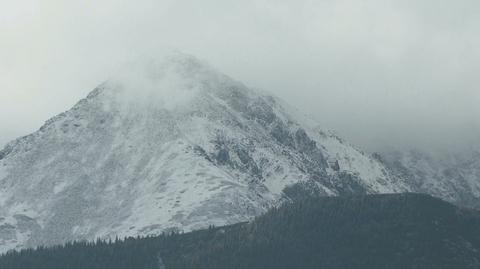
[{"x": 379, "y": 72}]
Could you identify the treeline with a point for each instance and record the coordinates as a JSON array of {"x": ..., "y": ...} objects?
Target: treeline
[{"x": 374, "y": 231}]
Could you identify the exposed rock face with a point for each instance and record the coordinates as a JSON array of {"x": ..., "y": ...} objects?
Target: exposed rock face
[{"x": 171, "y": 144}]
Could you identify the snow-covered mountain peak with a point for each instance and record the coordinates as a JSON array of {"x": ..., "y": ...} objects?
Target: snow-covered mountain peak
[
  {"x": 170, "y": 143},
  {"x": 168, "y": 82}
]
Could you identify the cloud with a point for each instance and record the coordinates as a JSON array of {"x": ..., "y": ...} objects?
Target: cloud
[
  {"x": 168, "y": 81},
  {"x": 380, "y": 72}
]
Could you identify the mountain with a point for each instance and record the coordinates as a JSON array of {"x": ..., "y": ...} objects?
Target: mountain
[
  {"x": 373, "y": 231},
  {"x": 169, "y": 144},
  {"x": 175, "y": 144},
  {"x": 452, "y": 175}
]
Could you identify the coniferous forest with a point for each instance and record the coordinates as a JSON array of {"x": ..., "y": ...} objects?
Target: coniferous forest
[{"x": 373, "y": 231}]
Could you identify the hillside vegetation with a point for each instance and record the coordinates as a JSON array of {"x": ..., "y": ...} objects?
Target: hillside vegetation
[{"x": 373, "y": 231}]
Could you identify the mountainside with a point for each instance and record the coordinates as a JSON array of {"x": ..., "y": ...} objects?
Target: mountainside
[
  {"x": 170, "y": 143},
  {"x": 374, "y": 231},
  {"x": 454, "y": 176}
]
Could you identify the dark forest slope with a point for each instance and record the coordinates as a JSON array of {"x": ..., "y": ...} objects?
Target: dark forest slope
[{"x": 378, "y": 231}]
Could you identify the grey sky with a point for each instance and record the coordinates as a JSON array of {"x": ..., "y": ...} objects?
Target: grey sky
[{"x": 379, "y": 72}]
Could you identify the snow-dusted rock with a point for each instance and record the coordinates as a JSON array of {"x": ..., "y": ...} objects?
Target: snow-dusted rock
[{"x": 451, "y": 175}]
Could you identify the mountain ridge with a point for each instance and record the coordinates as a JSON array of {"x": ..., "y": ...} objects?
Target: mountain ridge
[{"x": 127, "y": 161}]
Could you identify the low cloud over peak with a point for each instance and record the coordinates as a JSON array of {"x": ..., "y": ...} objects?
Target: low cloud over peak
[{"x": 381, "y": 73}]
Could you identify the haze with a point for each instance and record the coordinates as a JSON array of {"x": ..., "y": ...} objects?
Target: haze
[{"x": 382, "y": 73}]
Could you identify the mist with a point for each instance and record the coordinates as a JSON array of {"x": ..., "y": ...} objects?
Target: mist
[{"x": 381, "y": 73}]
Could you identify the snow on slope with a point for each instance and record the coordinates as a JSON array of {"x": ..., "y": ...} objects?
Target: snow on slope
[
  {"x": 169, "y": 144},
  {"x": 453, "y": 176}
]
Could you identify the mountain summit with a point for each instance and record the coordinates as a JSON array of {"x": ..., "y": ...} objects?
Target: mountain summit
[{"x": 170, "y": 144}]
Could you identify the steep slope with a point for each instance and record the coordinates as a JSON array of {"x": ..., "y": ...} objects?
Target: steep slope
[
  {"x": 453, "y": 176},
  {"x": 374, "y": 231},
  {"x": 171, "y": 143}
]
